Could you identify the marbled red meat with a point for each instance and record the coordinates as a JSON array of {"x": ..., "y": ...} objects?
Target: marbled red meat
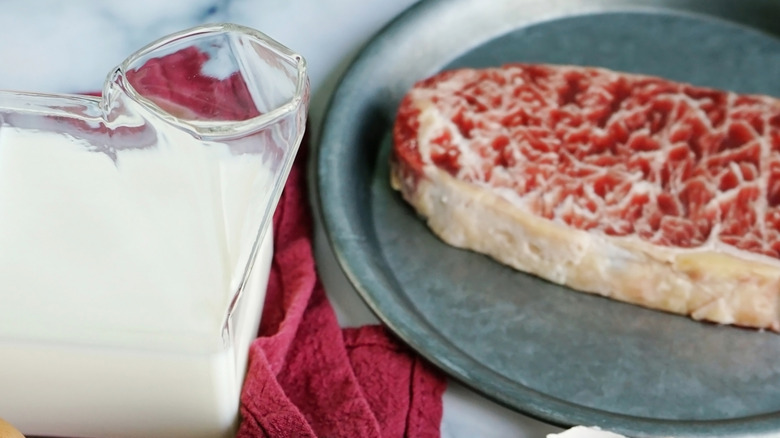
[
  {"x": 636, "y": 188},
  {"x": 624, "y": 155}
]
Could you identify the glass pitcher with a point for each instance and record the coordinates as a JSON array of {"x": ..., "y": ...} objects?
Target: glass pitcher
[{"x": 135, "y": 239}]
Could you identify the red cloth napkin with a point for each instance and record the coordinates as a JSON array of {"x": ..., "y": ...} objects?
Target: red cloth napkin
[{"x": 307, "y": 376}]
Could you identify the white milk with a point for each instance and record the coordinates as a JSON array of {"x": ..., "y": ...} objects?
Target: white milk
[{"x": 115, "y": 280}]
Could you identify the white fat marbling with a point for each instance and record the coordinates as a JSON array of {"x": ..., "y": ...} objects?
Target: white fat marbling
[{"x": 70, "y": 46}]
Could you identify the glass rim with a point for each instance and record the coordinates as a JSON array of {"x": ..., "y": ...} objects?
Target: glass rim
[{"x": 220, "y": 128}]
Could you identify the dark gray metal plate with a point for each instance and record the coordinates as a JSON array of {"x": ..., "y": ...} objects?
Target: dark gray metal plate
[{"x": 564, "y": 357}]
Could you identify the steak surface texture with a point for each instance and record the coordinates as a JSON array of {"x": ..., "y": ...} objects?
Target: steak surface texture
[{"x": 634, "y": 187}]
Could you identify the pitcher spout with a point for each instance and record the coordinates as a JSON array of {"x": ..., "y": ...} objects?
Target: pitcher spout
[{"x": 238, "y": 80}]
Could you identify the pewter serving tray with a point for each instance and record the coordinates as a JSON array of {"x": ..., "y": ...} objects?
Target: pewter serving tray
[{"x": 561, "y": 356}]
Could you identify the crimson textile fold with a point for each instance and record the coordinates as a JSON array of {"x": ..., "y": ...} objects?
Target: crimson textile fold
[{"x": 307, "y": 376}]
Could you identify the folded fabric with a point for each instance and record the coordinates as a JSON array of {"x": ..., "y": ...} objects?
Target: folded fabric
[{"x": 307, "y": 376}]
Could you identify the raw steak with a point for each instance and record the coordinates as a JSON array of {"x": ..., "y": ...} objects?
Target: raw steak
[{"x": 637, "y": 188}]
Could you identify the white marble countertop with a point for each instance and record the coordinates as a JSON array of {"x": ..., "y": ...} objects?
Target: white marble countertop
[{"x": 58, "y": 46}]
